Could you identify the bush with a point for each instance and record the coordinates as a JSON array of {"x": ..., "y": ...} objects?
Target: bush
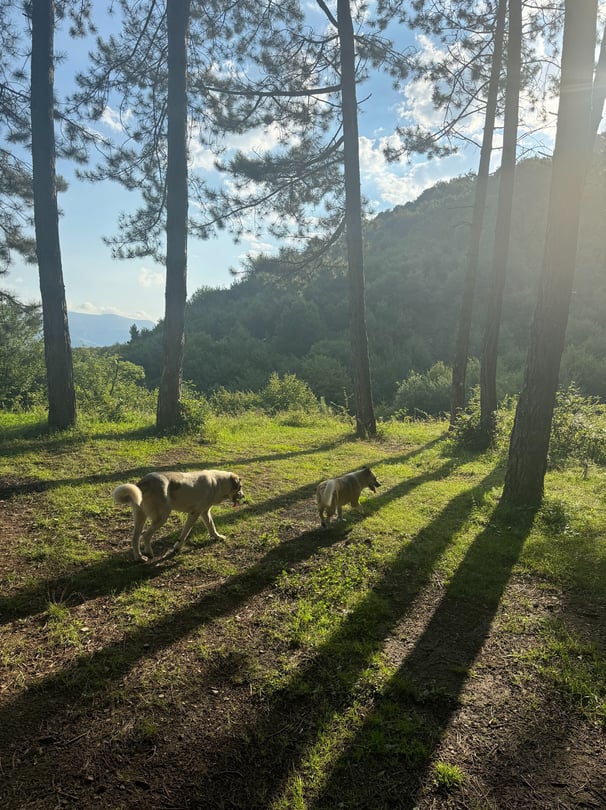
[
  {"x": 194, "y": 410},
  {"x": 233, "y": 403},
  {"x": 110, "y": 388},
  {"x": 22, "y": 370},
  {"x": 578, "y": 430},
  {"x": 287, "y": 394},
  {"x": 429, "y": 393},
  {"x": 466, "y": 434}
]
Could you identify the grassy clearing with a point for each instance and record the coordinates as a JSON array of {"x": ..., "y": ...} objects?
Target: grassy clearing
[{"x": 307, "y": 667}]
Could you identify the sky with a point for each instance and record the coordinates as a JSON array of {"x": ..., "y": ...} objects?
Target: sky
[{"x": 96, "y": 283}]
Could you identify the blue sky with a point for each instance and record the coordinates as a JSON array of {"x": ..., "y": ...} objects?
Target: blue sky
[{"x": 96, "y": 283}]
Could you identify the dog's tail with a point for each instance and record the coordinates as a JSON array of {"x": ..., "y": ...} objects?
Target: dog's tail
[
  {"x": 128, "y": 493},
  {"x": 328, "y": 494}
]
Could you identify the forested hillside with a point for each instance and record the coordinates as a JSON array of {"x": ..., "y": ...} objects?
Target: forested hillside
[{"x": 414, "y": 267}]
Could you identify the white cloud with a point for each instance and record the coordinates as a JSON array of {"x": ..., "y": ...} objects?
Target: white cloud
[
  {"x": 113, "y": 119},
  {"x": 251, "y": 143},
  {"x": 389, "y": 184},
  {"x": 150, "y": 278}
]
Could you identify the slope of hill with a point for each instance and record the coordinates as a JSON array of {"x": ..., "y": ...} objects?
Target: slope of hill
[
  {"x": 415, "y": 260},
  {"x": 102, "y": 330}
]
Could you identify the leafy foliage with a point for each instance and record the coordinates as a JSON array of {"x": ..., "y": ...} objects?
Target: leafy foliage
[
  {"x": 466, "y": 432},
  {"x": 578, "y": 431},
  {"x": 109, "y": 387},
  {"x": 286, "y": 394},
  {"x": 22, "y": 373},
  {"x": 429, "y": 392},
  {"x": 194, "y": 410}
]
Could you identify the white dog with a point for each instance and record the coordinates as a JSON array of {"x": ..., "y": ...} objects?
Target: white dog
[
  {"x": 158, "y": 494},
  {"x": 334, "y": 493}
]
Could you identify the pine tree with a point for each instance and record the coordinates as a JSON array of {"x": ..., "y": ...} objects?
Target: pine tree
[
  {"x": 169, "y": 393},
  {"x": 57, "y": 346},
  {"x": 461, "y": 354},
  {"x": 488, "y": 368},
  {"x": 527, "y": 462}
]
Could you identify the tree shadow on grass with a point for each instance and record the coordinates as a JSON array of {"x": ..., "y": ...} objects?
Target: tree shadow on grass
[
  {"x": 118, "y": 572},
  {"x": 11, "y": 486},
  {"x": 281, "y": 743},
  {"x": 94, "y": 673},
  {"x": 21, "y": 437},
  {"x": 386, "y": 762}
]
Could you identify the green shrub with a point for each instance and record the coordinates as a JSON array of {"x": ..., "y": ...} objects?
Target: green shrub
[
  {"x": 466, "y": 434},
  {"x": 22, "y": 371},
  {"x": 194, "y": 410},
  {"x": 288, "y": 393},
  {"x": 110, "y": 388},
  {"x": 233, "y": 403},
  {"x": 429, "y": 393},
  {"x": 578, "y": 430}
]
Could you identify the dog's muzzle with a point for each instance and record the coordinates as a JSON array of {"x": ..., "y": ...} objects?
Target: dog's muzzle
[{"x": 237, "y": 497}]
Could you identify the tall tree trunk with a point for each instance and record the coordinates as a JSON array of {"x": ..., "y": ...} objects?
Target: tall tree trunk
[
  {"x": 57, "y": 345},
  {"x": 365, "y": 418},
  {"x": 488, "y": 368},
  {"x": 527, "y": 463},
  {"x": 169, "y": 393},
  {"x": 459, "y": 366}
]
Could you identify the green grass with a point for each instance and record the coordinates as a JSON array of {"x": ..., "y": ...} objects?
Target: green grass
[
  {"x": 448, "y": 777},
  {"x": 310, "y": 625}
]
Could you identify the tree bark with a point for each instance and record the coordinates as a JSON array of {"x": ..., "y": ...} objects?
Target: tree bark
[
  {"x": 461, "y": 356},
  {"x": 169, "y": 393},
  {"x": 529, "y": 444},
  {"x": 365, "y": 418},
  {"x": 488, "y": 366},
  {"x": 57, "y": 345}
]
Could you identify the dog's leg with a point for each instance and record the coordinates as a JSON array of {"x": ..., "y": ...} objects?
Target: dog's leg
[
  {"x": 323, "y": 517},
  {"x": 156, "y": 524},
  {"x": 185, "y": 532},
  {"x": 139, "y": 521},
  {"x": 210, "y": 525}
]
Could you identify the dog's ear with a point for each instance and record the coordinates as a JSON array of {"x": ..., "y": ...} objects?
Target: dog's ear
[{"x": 235, "y": 482}]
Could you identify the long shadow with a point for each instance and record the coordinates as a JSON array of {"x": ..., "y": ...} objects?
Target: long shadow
[
  {"x": 326, "y": 687},
  {"x": 20, "y": 486},
  {"x": 118, "y": 572},
  {"x": 423, "y": 695},
  {"x": 114, "y": 574},
  {"x": 90, "y": 674},
  {"x": 111, "y": 575}
]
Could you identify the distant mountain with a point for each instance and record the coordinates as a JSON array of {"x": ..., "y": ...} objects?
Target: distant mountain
[{"x": 102, "y": 330}]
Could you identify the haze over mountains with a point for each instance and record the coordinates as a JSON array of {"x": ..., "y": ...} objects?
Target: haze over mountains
[{"x": 102, "y": 330}]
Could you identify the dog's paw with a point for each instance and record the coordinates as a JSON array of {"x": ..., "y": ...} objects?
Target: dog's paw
[{"x": 218, "y": 537}]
